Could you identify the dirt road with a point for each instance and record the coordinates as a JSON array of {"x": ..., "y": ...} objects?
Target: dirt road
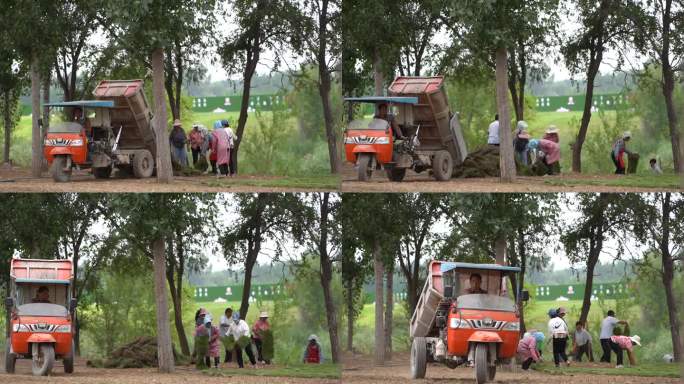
[
  {"x": 359, "y": 369},
  {"x": 20, "y": 180},
  {"x": 422, "y": 182},
  {"x": 183, "y": 375}
]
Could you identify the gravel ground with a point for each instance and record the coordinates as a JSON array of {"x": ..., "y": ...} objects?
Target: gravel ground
[
  {"x": 359, "y": 369},
  {"x": 86, "y": 375},
  {"x": 20, "y": 180},
  {"x": 423, "y": 182}
]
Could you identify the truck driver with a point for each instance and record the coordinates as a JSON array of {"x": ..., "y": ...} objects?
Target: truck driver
[
  {"x": 475, "y": 284},
  {"x": 42, "y": 295},
  {"x": 383, "y": 113}
]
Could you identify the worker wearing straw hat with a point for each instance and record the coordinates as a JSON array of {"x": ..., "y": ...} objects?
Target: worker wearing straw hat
[
  {"x": 617, "y": 154},
  {"x": 178, "y": 140},
  {"x": 620, "y": 343},
  {"x": 258, "y": 329}
]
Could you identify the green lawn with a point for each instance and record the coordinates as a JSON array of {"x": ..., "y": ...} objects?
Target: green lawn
[
  {"x": 646, "y": 369},
  {"x": 308, "y": 371},
  {"x": 646, "y": 180}
]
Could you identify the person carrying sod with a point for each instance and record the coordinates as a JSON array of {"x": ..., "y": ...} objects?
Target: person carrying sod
[
  {"x": 240, "y": 332},
  {"x": 549, "y": 152},
  {"x": 258, "y": 329},
  {"x": 607, "y": 328},
  {"x": 224, "y": 327},
  {"x": 207, "y": 329},
  {"x": 620, "y": 343},
  {"x": 617, "y": 153},
  {"x": 313, "y": 353}
]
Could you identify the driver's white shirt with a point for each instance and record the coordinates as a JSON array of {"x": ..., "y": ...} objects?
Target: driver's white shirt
[{"x": 557, "y": 327}]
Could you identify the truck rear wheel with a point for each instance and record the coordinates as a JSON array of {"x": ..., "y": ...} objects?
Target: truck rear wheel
[
  {"x": 418, "y": 358},
  {"x": 68, "y": 360},
  {"x": 10, "y": 358},
  {"x": 143, "y": 164},
  {"x": 396, "y": 174},
  {"x": 102, "y": 173},
  {"x": 43, "y": 359},
  {"x": 57, "y": 169},
  {"x": 365, "y": 171},
  {"x": 481, "y": 365},
  {"x": 442, "y": 165}
]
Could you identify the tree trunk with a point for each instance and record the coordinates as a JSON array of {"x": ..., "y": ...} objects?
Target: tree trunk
[
  {"x": 46, "y": 100},
  {"x": 522, "y": 257},
  {"x": 377, "y": 75},
  {"x": 594, "y": 252},
  {"x": 389, "y": 307},
  {"x": 668, "y": 88},
  {"x": 8, "y": 122},
  {"x": 326, "y": 279},
  {"x": 500, "y": 250},
  {"x": 250, "y": 69},
  {"x": 506, "y": 161},
  {"x": 378, "y": 268},
  {"x": 164, "y": 170},
  {"x": 164, "y": 348},
  {"x": 513, "y": 83},
  {"x": 36, "y": 138},
  {"x": 412, "y": 295},
  {"x": 247, "y": 285},
  {"x": 350, "y": 317},
  {"x": 668, "y": 277},
  {"x": 176, "y": 301},
  {"x": 324, "y": 87},
  {"x": 594, "y": 62}
]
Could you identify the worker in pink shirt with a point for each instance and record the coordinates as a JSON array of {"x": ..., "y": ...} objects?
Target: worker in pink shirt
[
  {"x": 258, "y": 328},
  {"x": 620, "y": 343},
  {"x": 527, "y": 349}
]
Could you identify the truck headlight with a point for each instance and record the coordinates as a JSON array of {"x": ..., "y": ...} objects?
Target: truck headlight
[
  {"x": 66, "y": 328},
  {"x": 511, "y": 326},
  {"x": 382, "y": 140},
  {"x": 349, "y": 140},
  {"x": 458, "y": 323},
  {"x": 76, "y": 143},
  {"x": 20, "y": 328}
]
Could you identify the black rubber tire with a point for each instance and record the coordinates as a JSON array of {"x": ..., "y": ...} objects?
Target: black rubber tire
[
  {"x": 492, "y": 372},
  {"x": 442, "y": 165},
  {"x": 396, "y": 174},
  {"x": 143, "y": 164},
  {"x": 418, "y": 358},
  {"x": 68, "y": 359},
  {"x": 10, "y": 359},
  {"x": 102, "y": 173},
  {"x": 481, "y": 365},
  {"x": 57, "y": 171},
  {"x": 365, "y": 171},
  {"x": 42, "y": 365}
]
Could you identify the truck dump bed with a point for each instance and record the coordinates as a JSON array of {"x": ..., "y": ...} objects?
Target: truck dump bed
[
  {"x": 41, "y": 270},
  {"x": 423, "y": 319},
  {"x": 438, "y": 129},
  {"x": 131, "y": 112}
]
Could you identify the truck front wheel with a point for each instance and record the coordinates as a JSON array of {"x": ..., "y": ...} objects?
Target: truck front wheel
[
  {"x": 143, "y": 164},
  {"x": 418, "y": 358},
  {"x": 43, "y": 358},
  {"x": 10, "y": 358},
  {"x": 481, "y": 364},
  {"x": 59, "y": 174},
  {"x": 365, "y": 170}
]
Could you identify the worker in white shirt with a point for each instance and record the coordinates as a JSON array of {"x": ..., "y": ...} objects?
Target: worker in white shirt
[
  {"x": 238, "y": 329},
  {"x": 558, "y": 329},
  {"x": 493, "y": 136}
]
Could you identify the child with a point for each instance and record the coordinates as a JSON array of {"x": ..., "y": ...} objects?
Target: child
[
  {"x": 618, "y": 343},
  {"x": 655, "y": 168},
  {"x": 527, "y": 349}
]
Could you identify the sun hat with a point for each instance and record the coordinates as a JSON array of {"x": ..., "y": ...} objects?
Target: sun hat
[
  {"x": 263, "y": 314},
  {"x": 236, "y": 315},
  {"x": 522, "y": 125},
  {"x": 562, "y": 311},
  {"x": 177, "y": 123},
  {"x": 534, "y": 144},
  {"x": 552, "y": 129},
  {"x": 636, "y": 340},
  {"x": 627, "y": 135},
  {"x": 313, "y": 337}
]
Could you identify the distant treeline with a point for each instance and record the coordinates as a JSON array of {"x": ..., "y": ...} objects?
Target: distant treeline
[{"x": 262, "y": 274}]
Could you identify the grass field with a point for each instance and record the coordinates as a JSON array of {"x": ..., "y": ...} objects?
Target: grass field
[
  {"x": 645, "y": 370},
  {"x": 306, "y": 371},
  {"x": 314, "y": 182}
]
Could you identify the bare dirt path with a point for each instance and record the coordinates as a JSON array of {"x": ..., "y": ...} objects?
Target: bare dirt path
[
  {"x": 359, "y": 369},
  {"x": 183, "y": 375},
  {"x": 422, "y": 182},
  {"x": 20, "y": 180}
]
